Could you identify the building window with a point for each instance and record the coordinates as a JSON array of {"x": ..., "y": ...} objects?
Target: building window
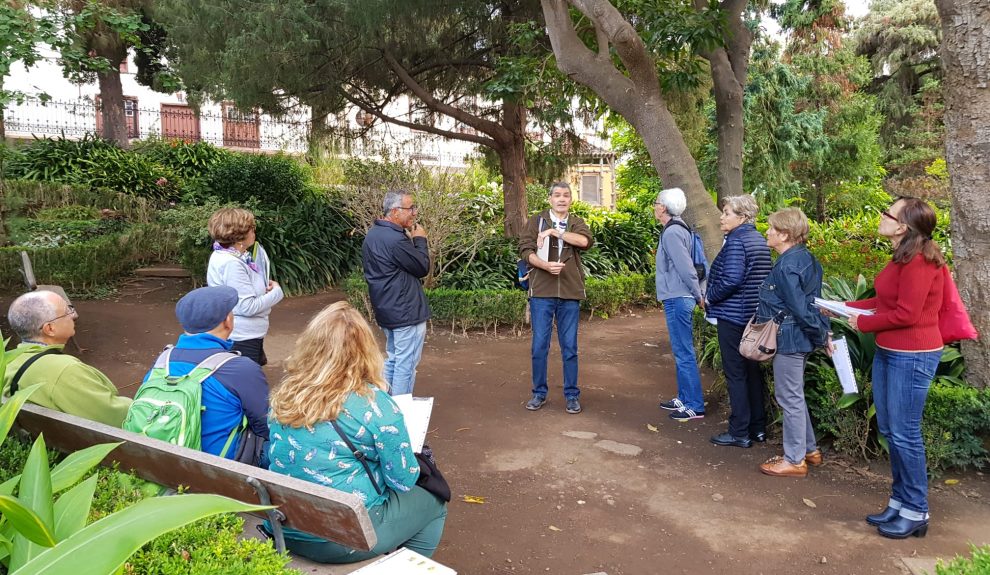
[{"x": 591, "y": 188}]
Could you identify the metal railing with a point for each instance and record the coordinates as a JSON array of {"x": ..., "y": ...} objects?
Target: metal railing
[{"x": 229, "y": 128}]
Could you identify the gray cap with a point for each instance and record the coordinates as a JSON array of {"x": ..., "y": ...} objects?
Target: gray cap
[{"x": 205, "y": 308}]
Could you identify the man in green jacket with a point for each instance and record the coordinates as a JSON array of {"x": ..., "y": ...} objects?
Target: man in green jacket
[{"x": 44, "y": 321}]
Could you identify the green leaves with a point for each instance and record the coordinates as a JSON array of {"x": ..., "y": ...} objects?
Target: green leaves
[
  {"x": 111, "y": 540},
  {"x": 27, "y": 523},
  {"x": 8, "y": 413},
  {"x": 35, "y": 531}
]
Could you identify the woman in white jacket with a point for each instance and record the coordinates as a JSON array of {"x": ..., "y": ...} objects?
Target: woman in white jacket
[{"x": 241, "y": 263}]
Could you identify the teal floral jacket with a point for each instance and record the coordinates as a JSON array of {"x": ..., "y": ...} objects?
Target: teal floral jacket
[{"x": 318, "y": 454}]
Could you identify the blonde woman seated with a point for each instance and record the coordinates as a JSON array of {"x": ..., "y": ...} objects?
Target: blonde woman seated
[{"x": 333, "y": 394}]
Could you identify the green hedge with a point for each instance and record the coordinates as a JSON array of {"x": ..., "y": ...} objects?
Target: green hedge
[
  {"x": 471, "y": 309},
  {"x": 86, "y": 264},
  {"x": 27, "y": 198},
  {"x": 605, "y": 297}
]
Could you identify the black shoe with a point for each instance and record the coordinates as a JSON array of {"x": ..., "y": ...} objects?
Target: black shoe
[
  {"x": 759, "y": 436},
  {"x": 901, "y": 528},
  {"x": 727, "y": 440},
  {"x": 672, "y": 405},
  {"x": 888, "y": 514}
]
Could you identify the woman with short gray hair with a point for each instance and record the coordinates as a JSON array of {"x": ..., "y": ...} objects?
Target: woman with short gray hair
[{"x": 731, "y": 298}]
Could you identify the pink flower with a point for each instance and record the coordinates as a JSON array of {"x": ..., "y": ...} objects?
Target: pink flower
[{"x": 161, "y": 182}]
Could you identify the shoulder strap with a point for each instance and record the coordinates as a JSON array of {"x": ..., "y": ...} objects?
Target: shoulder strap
[
  {"x": 217, "y": 360},
  {"x": 163, "y": 357},
  {"x": 27, "y": 364},
  {"x": 358, "y": 454}
]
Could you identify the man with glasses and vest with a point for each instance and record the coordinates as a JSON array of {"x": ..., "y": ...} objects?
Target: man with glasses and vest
[
  {"x": 396, "y": 256},
  {"x": 552, "y": 244},
  {"x": 44, "y": 322}
]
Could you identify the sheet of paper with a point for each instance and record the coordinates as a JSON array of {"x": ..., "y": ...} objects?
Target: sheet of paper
[
  {"x": 404, "y": 562},
  {"x": 416, "y": 411},
  {"x": 843, "y": 365},
  {"x": 839, "y": 308}
]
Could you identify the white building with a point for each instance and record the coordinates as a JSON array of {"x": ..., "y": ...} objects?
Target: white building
[{"x": 72, "y": 113}]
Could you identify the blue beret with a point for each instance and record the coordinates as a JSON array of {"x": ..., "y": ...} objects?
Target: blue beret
[{"x": 205, "y": 308}]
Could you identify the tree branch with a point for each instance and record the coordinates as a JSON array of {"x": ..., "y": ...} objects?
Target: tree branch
[
  {"x": 378, "y": 113},
  {"x": 628, "y": 45},
  {"x": 578, "y": 62},
  {"x": 496, "y": 131}
]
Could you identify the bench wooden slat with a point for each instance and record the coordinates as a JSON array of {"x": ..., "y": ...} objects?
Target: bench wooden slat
[{"x": 322, "y": 511}]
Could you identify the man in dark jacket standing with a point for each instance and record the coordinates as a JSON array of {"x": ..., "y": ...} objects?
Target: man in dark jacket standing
[
  {"x": 396, "y": 256},
  {"x": 551, "y": 245}
]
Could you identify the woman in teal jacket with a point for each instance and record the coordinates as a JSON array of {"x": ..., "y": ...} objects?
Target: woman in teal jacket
[{"x": 334, "y": 394}]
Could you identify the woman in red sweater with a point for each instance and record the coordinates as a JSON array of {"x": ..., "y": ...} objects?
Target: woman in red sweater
[{"x": 909, "y": 346}]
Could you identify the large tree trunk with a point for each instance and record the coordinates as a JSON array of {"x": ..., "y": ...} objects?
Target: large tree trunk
[
  {"x": 729, "y": 122},
  {"x": 730, "y": 65},
  {"x": 635, "y": 95},
  {"x": 112, "y": 108},
  {"x": 512, "y": 161},
  {"x": 965, "y": 56},
  {"x": 106, "y": 43}
]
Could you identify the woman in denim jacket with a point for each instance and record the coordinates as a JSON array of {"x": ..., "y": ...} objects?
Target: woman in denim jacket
[{"x": 788, "y": 295}]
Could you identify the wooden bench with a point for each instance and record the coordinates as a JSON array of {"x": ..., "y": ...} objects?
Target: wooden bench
[{"x": 328, "y": 513}]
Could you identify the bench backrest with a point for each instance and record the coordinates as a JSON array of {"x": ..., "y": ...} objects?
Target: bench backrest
[{"x": 322, "y": 511}]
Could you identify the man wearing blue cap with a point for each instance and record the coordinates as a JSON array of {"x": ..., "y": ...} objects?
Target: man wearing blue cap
[{"x": 236, "y": 390}]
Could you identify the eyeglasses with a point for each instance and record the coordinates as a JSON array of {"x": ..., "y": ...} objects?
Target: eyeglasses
[
  {"x": 71, "y": 312},
  {"x": 887, "y": 214},
  {"x": 413, "y": 207}
]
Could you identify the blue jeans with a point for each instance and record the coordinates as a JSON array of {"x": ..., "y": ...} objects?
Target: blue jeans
[
  {"x": 900, "y": 387},
  {"x": 679, "y": 312},
  {"x": 404, "y": 346},
  {"x": 543, "y": 311}
]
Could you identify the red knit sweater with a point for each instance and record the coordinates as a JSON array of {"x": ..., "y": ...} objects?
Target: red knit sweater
[{"x": 908, "y": 300}]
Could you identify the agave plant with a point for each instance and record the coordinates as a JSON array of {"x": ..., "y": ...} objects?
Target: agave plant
[{"x": 43, "y": 527}]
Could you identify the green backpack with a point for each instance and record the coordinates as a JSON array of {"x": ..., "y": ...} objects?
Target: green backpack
[{"x": 170, "y": 408}]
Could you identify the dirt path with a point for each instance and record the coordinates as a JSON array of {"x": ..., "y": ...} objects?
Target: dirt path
[{"x": 598, "y": 491}]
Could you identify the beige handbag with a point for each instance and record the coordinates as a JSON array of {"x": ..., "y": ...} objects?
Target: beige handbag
[{"x": 759, "y": 340}]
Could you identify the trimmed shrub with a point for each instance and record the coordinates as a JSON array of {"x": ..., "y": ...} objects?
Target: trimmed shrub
[
  {"x": 55, "y": 233},
  {"x": 464, "y": 309},
  {"x": 956, "y": 426},
  {"x": 478, "y": 309},
  {"x": 31, "y": 199},
  {"x": 259, "y": 179},
  {"x": 608, "y": 296},
  {"x": 73, "y": 212},
  {"x": 85, "y": 264}
]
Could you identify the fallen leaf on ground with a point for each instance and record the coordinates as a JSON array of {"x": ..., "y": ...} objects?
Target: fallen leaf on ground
[
  {"x": 951, "y": 481},
  {"x": 552, "y": 528},
  {"x": 652, "y": 428},
  {"x": 462, "y": 429},
  {"x": 473, "y": 499},
  {"x": 809, "y": 503}
]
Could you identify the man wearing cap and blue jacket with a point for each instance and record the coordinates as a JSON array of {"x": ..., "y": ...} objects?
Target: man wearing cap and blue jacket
[{"x": 238, "y": 389}]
